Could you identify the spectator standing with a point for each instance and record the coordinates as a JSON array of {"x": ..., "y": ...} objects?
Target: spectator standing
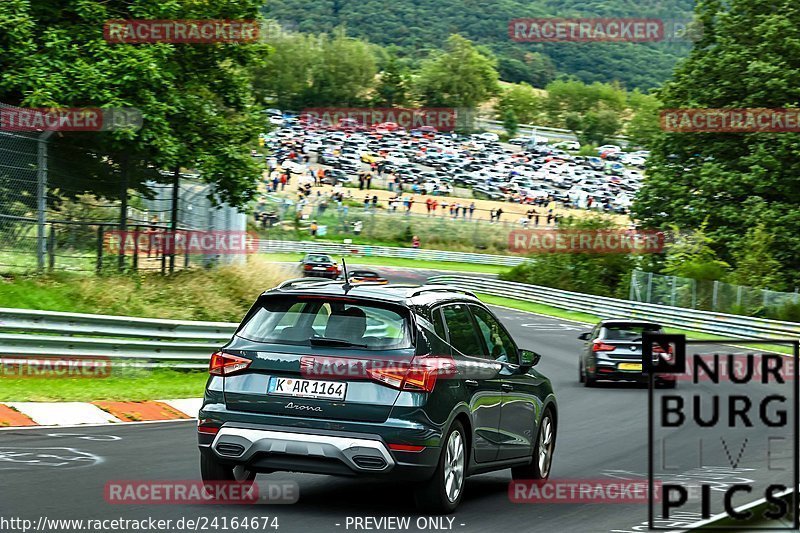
[
  {"x": 415, "y": 241},
  {"x": 471, "y": 210}
]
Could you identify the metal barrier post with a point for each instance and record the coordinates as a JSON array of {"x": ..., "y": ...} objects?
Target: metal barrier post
[{"x": 99, "y": 249}]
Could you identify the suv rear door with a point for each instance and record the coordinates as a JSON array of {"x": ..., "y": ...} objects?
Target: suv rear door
[
  {"x": 522, "y": 394},
  {"x": 318, "y": 356},
  {"x": 482, "y": 379}
]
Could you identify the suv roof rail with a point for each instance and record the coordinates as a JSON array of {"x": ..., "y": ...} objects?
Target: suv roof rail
[
  {"x": 439, "y": 288},
  {"x": 291, "y": 283}
]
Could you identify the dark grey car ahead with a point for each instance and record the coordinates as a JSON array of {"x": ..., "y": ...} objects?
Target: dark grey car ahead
[
  {"x": 414, "y": 384},
  {"x": 613, "y": 351}
]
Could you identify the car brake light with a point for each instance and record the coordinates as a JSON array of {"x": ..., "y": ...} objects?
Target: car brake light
[
  {"x": 417, "y": 376},
  {"x": 307, "y": 267},
  {"x": 224, "y": 364},
  {"x": 598, "y": 346}
]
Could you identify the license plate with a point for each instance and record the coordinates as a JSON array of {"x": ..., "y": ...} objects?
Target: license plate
[
  {"x": 630, "y": 366},
  {"x": 320, "y": 268},
  {"x": 307, "y": 388}
]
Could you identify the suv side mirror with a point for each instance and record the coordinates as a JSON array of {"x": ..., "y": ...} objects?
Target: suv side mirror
[
  {"x": 528, "y": 359},
  {"x": 585, "y": 336}
]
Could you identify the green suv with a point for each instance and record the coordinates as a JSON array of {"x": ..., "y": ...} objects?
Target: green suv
[{"x": 417, "y": 384}]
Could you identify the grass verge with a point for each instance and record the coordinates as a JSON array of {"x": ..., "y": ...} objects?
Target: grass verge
[
  {"x": 150, "y": 385},
  {"x": 220, "y": 294}
]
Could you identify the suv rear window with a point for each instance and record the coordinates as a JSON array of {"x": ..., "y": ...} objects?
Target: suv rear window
[{"x": 331, "y": 322}]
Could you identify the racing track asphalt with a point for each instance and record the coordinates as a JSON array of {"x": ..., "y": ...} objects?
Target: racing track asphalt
[{"x": 602, "y": 434}]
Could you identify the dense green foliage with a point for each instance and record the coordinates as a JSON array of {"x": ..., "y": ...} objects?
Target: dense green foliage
[
  {"x": 600, "y": 274},
  {"x": 419, "y": 27},
  {"x": 595, "y": 111},
  {"x": 196, "y": 100},
  {"x": 749, "y": 57}
]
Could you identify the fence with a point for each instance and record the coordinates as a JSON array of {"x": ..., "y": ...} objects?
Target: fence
[
  {"x": 694, "y": 320},
  {"x": 287, "y": 220},
  {"x": 60, "y": 194},
  {"x": 142, "y": 342},
  {"x": 189, "y": 344},
  {"x": 708, "y": 295}
]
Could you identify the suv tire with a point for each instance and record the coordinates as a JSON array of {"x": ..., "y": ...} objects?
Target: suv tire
[
  {"x": 436, "y": 495},
  {"x": 542, "y": 459},
  {"x": 213, "y": 471}
]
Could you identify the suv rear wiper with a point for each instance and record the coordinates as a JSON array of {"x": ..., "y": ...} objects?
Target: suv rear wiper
[{"x": 326, "y": 341}]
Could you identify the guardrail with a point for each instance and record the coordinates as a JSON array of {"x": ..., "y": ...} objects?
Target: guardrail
[
  {"x": 271, "y": 246},
  {"x": 132, "y": 341},
  {"x": 137, "y": 341},
  {"x": 679, "y": 317}
]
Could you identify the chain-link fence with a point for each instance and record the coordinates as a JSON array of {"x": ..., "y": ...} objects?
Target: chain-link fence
[
  {"x": 713, "y": 296},
  {"x": 62, "y": 197}
]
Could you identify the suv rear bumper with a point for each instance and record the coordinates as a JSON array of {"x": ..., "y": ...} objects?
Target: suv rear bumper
[
  {"x": 359, "y": 454},
  {"x": 269, "y": 448}
]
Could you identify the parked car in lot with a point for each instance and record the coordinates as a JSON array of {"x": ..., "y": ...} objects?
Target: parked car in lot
[
  {"x": 613, "y": 351},
  {"x": 370, "y": 157},
  {"x": 319, "y": 265},
  {"x": 434, "y": 390}
]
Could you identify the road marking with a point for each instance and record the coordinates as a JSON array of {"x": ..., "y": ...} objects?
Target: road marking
[
  {"x": 100, "y": 438},
  {"x": 12, "y": 457},
  {"x": 552, "y": 327}
]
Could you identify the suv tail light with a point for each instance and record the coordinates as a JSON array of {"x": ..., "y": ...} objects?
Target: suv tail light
[
  {"x": 419, "y": 375},
  {"x": 598, "y": 346},
  {"x": 224, "y": 364}
]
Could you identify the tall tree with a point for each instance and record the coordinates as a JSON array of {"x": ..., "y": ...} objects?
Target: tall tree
[
  {"x": 523, "y": 100},
  {"x": 748, "y": 57},
  {"x": 460, "y": 76},
  {"x": 195, "y": 98},
  {"x": 392, "y": 88}
]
